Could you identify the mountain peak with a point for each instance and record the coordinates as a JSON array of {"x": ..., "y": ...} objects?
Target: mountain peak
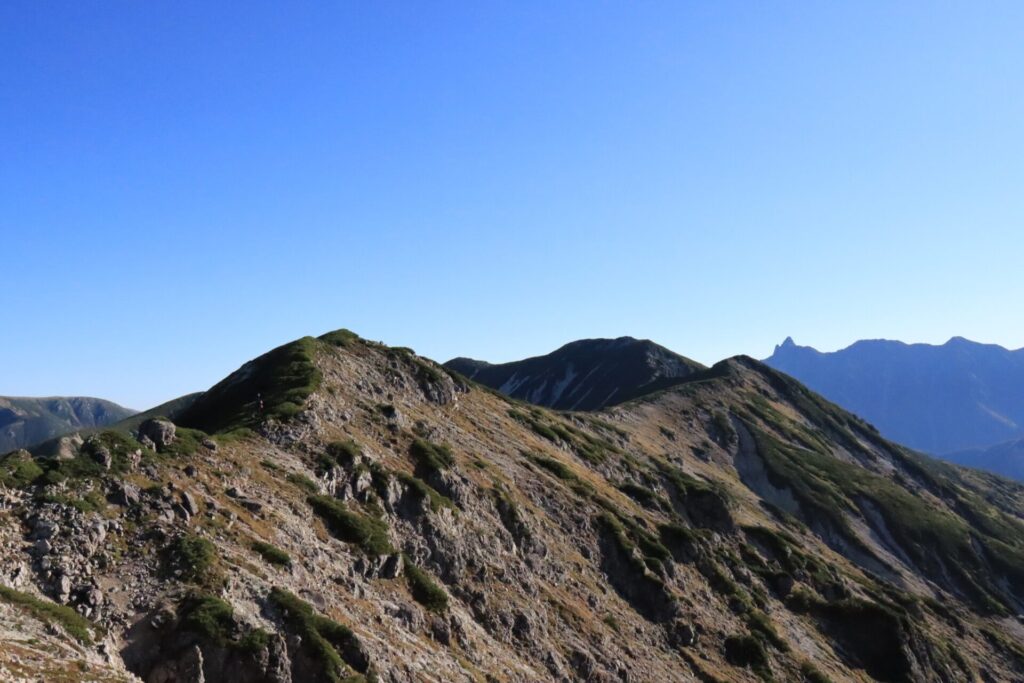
[{"x": 586, "y": 374}]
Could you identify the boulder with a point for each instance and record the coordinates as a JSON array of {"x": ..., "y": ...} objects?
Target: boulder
[
  {"x": 159, "y": 431},
  {"x": 126, "y": 495}
]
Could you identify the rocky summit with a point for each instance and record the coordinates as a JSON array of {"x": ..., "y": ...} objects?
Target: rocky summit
[{"x": 340, "y": 510}]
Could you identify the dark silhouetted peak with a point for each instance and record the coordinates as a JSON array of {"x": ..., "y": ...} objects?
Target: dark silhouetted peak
[
  {"x": 587, "y": 374},
  {"x": 467, "y": 366}
]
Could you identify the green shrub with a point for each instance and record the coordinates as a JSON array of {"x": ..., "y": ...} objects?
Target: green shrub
[
  {"x": 18, "y": 470},
  {"x": 327, "y": 640},
  {"x": 253, "y": 641},
  {"x": 210, "y": 617},
  {"x": 77, "y": 626},
  {"x": 93, "y": 501},
  {"x": 760, "y": 624},
  {"x": 272, "y": 554},
  {"x": 812, "y": 675},
  {"x": 368, "y": 533},
  {"x": 303, "y": 482},
  {"x": 745, "y": 651},
  {"x": 423, "y": 588},
  {"x": 344, "y": 452},
  {"x": 341, "y": 338},
  {"x": 186, "y": 442},
  {"x": 194, "y": 557},
  {"x": 644, "y": 496},
  {"x": 557, "y": 468},
  {"x": 425, "y": 491},
  {"x": 430, "y": 456}
]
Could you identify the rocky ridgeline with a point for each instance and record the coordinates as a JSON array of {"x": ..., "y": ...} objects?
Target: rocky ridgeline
[{"x": 338, "y": 510}]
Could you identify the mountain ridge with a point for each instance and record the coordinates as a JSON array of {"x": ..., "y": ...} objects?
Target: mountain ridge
[{"x": 356, "y": 512}]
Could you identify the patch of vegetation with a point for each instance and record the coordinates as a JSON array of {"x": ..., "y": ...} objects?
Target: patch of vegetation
[
  {"x": 423, "y": 588},
  {"x": 629, "y": 535},
  {"x": 194, "y": 557},
  {"x": 345, "y": 452},
  {"x": 253, "y": 641},
  {"x": 368, "y": 533},
  {"x": 303, "y": 482},
  {"x": 92, "y": 501},
  {"x": 508, "y": 511},
  {"x": 826, "y": 487},
  {"x": 18, "y": 470},
  {"x": 341, "y": 338},
  {"x": 702, "y": 675},
  {"x": 721, "y": 582},
  {"x": 186, "y": 442},
  {"x": 723, "y": 428},
  {"x": 588, "y": 447},
  {"x": 683, "y": 542},
  {"x": 272, "y": 554},
  {"x": 761, "y": 625},
  {"x": 284, "y": 378},
  {"x": 555, "y": 467},
  {"x": 381, "y": 477},
  {"x": 87, "y": 463},
  {"x": 77, "y": 626},
  {"x": 425, "y": 491},
  {"x": 210, "y": 617},
  {"x": 645, "y": 497},
  {"x": 746, "y": 651},
  {"x": 332, "y": 645},
  {"x": 812, "y": 675},
  {"x": 430, "y": 456}
]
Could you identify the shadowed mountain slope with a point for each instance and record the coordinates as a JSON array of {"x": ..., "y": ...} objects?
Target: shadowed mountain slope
[
  {"x": 379, "y": 518},
  {"x": 584, "y": 375}
]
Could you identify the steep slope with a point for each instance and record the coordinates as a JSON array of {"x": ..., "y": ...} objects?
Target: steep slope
[
  {"x": 28, "y": 421},
  {"x": 584, "y": 375},
  {"x": 938, "y": 399},
  {"x": 378, "y": 518}
]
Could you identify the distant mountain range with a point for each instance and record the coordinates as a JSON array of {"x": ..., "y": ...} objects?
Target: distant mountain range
[
  {"x": 954, "y": 400},
  {"x": 584, "y": 375},
  {"x": 28, "y": 421}
]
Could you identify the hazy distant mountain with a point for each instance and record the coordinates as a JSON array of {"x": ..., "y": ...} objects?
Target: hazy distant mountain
[
  {"x": 941, "y": 399},
  {"x": 1004, "y": 458},
  {"x": 584, "y": 375},
  {"x": 28, "y": 421}
]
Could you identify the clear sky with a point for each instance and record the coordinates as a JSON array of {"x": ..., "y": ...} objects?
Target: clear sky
[{"x": 184, "y": 185}]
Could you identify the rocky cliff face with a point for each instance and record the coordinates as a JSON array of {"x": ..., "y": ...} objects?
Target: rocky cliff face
[
  {"x": 584, "y": 375},
  {"x": 355, "y": 512},
  {"x": 25, "y": 422}
]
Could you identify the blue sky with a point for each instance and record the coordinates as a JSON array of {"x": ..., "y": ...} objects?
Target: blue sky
[{"x": 184, "y": 185}]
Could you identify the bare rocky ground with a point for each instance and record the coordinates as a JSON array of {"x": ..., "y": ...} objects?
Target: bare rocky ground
[{"x": 402, "y": 524}]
